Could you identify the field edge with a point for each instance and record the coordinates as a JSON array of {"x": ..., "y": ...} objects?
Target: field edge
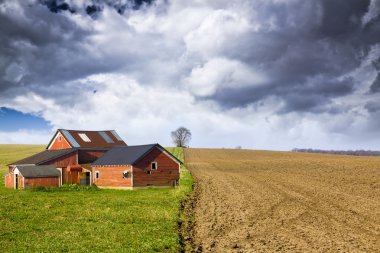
[{"x": 186, "y": 212}]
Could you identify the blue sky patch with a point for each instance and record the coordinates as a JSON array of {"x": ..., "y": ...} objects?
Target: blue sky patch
[{"x": 12, "y": 120}]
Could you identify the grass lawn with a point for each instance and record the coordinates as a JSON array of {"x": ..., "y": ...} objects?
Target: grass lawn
[{"x": 88, "y": 221}]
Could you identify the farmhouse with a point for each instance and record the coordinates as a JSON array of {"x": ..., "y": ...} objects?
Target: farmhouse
[{"x": 98, "y": 158}]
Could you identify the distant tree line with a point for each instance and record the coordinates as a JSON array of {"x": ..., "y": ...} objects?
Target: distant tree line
[{"x": 338, "y": 152}]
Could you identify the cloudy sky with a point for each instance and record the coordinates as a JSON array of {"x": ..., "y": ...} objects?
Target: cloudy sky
[{"x": 261, "y": 74}]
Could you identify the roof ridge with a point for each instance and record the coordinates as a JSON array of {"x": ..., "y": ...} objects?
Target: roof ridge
[
  {"x": 82, "y": 130},
  {"x": 129, "y": 155},
  {"x": 131, "y": 146}
]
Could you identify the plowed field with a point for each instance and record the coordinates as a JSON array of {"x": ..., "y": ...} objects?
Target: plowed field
[{"x": 263, "y": 201}]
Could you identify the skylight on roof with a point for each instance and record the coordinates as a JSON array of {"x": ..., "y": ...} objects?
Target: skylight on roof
[
  {"x": 116, "y": 135},
  {"x": 84, "y": 137},
  {"x": 70, "y": 138},
  {"x": 106, "y": 137}
]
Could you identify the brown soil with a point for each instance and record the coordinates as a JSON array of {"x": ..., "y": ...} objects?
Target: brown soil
[{"x": 263, "y": 201}]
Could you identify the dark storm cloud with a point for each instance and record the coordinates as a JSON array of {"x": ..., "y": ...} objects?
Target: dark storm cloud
[
  {"x": 341, "y": 18},
  {"x": 29, "y": 53},
  {"x": 314, "y": 45},
  {"x": 94, "y": 6},
  {"x": 375, "y": 87},
  {"x": 41, "y": 48},
  {"x": 373, "y": 107},
  {"x": 305, "y": 48},
  {"x": 41, "y": 51},
  {"x": 310, "y": 97},
  {"x": 57, "y": 6},
  {"x": 282, "y": 72}
]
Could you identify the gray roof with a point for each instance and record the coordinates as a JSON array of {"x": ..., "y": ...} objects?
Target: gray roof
[
  {"x": 127, "y": 155},
  {"x": 38, "y": 171},
  {"x": 44, "y": 156}
]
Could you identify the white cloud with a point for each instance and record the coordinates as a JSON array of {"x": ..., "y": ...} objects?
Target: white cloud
[
  {"x": 148, "y": 114},
  {"x": 32, "y": 103},
  {"x": 148, "y": 72},
  {"x": 219, "y": 73},
  {"x": 373, "y": 12},
  {"x": 217, "y": 31},
  {"x": 26, "y": 137}
]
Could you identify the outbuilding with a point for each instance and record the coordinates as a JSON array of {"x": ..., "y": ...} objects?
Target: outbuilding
[
  {"x": 30, "y": 176},
  {"x": 135, "y": 167}
]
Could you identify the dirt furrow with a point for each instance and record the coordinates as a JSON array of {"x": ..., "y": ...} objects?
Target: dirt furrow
[{"x": 261, "y": 201}]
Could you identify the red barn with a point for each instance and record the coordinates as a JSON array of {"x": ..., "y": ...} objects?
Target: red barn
[{"x": 101, "y": 158}]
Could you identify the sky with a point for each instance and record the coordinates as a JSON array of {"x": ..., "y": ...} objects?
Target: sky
[{"x": 260, "y": 74}]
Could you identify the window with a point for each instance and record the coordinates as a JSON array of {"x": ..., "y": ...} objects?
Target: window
[
  {"x": 59, "y": 138},
  {"x": 116, "y": 135},
  {"x": 149, "y": 172},
  {"x": 97, "y": 174},
  {"x": 84, "y": 137},
  {"x": 153, "y": 165},
  {"x": 126, "y": 174},
  {"x": 106, "y": 137}
]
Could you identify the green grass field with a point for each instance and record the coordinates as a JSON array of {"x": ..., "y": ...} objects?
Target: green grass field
[{"x": 88, "y": 221}]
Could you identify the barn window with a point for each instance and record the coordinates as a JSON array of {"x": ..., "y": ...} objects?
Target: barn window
[
  {"x": 153, "y": 165},
  {"x": 97, "y": 174},
  {"x": 149, "y": 172},
  {"x": 59, "y": 138},
  {"x": 126, "y": 174},
  {"x": 84, "y": 137}
]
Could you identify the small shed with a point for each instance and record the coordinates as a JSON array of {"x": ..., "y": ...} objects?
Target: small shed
[{"x": 31, "y": 176}]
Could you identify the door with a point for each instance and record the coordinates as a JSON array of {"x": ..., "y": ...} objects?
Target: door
[
  {"x": 16, "y": 181},
  {"x": 88, "y": 178},
  {"x": 74, "y": 177},
  {"x": 84, "y": 178}
]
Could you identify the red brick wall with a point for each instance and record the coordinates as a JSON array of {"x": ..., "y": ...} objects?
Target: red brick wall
[
  {"x": 167, "y": 172},
  {"x": 60, "y": 144},
  {"x": 89, "y": 156},
  {"x": 9, "y": 181},
  {"x": 46, "y": 181},
  {"x": 112, "y": 176}
]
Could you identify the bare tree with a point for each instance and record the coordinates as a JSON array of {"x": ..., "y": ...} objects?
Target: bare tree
[{"x": 181, "y": 137}]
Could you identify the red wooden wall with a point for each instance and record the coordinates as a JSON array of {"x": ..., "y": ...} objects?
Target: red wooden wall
[
  {"x": 31, "y": 182},
  {"x": 60, "y": 144},
  {"x": 89, "y": 156},
  {"x": 64, "y": 161},
  {"x": 45, "y": 181},
  {"x": 167, "y": 173}
]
